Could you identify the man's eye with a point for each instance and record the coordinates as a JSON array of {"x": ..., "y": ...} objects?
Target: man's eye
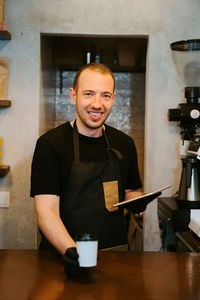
[
  {"x": 88, "y": 94},
  {"x": 107, "y": 96}
]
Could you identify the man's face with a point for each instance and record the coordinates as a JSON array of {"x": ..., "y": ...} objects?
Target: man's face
[{"x": 93, "y": 98}]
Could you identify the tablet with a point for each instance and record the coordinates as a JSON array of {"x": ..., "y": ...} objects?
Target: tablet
[{"x": 145, "y": 197}]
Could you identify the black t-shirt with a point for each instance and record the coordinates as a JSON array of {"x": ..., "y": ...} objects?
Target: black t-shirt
[{"x": 54, "y": 154}]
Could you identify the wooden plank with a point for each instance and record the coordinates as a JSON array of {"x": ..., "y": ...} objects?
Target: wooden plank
[
  {"x": 4, "y": 170},
  {"x": 5, "y": 103},
  {"x": 5, "y": 35}
]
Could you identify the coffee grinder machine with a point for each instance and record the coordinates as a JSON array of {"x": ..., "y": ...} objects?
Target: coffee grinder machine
[{"x": 186, "y": 55}]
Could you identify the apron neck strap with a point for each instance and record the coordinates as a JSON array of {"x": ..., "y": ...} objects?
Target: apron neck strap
[{"x": 111, "y": 150}]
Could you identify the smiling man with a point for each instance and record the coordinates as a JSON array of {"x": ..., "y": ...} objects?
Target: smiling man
[
  {"x": 93, "y": 94},
  {"x": 83, "y": 167}
]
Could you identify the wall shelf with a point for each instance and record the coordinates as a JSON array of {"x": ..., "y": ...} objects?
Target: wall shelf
[
  {"x": 5, "y": 35},
  {"x": 4, "y": 170},
  {"x": 5, "y": 103}
]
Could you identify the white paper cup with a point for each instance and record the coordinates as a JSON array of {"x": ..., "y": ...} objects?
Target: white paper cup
[{"x": 87, "y": 248}]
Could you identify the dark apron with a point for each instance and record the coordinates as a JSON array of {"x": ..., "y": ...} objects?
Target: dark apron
[
  {"x": 86, "y": 206},
  {"x": 83, "y": 209}
]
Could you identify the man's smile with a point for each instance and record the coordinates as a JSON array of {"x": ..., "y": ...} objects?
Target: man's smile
[{"x": 95, "y": 113}]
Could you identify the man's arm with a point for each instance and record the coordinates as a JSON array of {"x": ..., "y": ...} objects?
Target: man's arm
[{"x": 50, "y": 223}]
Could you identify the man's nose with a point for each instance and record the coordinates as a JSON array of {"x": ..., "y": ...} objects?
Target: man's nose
[{"x": 97, "y": 101}]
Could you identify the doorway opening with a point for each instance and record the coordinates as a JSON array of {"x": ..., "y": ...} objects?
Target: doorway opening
[{"x": 63, "y": 55}]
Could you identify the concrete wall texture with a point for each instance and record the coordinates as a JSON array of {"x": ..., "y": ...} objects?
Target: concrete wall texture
[{"x": 163, "y": 21}]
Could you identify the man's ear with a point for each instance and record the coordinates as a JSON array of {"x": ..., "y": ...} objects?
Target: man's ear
[
  {"x": 114, "y": 95},
  {"x": 73, "y": 95}
]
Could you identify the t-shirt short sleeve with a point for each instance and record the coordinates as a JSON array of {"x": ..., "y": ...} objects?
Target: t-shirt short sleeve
[
  {"x": 133, "y": 180},
  {"x": 44, "y": 173}
]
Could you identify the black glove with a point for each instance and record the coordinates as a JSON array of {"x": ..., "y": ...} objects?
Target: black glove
[
  {"x": 136, "y": 208},
  {"x": 70, "y": 261},
  {"x": 140, "y": 205}
]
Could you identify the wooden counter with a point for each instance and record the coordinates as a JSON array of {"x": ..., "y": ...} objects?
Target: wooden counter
[{"x": 32, "y": 274}]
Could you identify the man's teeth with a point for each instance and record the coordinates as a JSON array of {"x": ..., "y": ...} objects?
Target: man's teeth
[{"x": 95, "y": 114}]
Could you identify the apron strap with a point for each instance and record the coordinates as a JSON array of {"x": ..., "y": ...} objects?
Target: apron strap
[{"x": 110, "y": 150}]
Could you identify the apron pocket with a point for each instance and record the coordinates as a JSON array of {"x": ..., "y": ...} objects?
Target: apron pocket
[{"x": 111, "y": 194}]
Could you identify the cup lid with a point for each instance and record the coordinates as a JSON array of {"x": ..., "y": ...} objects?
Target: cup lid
[{"x": 86, "y": 237}]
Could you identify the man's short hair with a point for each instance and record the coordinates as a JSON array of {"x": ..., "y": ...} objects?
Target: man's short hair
[{"x": 98, "y": 67}]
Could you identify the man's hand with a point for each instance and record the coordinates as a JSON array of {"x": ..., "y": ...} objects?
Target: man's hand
[
  {"x": 70, "y": 261},
  {"x": 136, "y": 208},
  {"x": 140, "y": 205}
]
